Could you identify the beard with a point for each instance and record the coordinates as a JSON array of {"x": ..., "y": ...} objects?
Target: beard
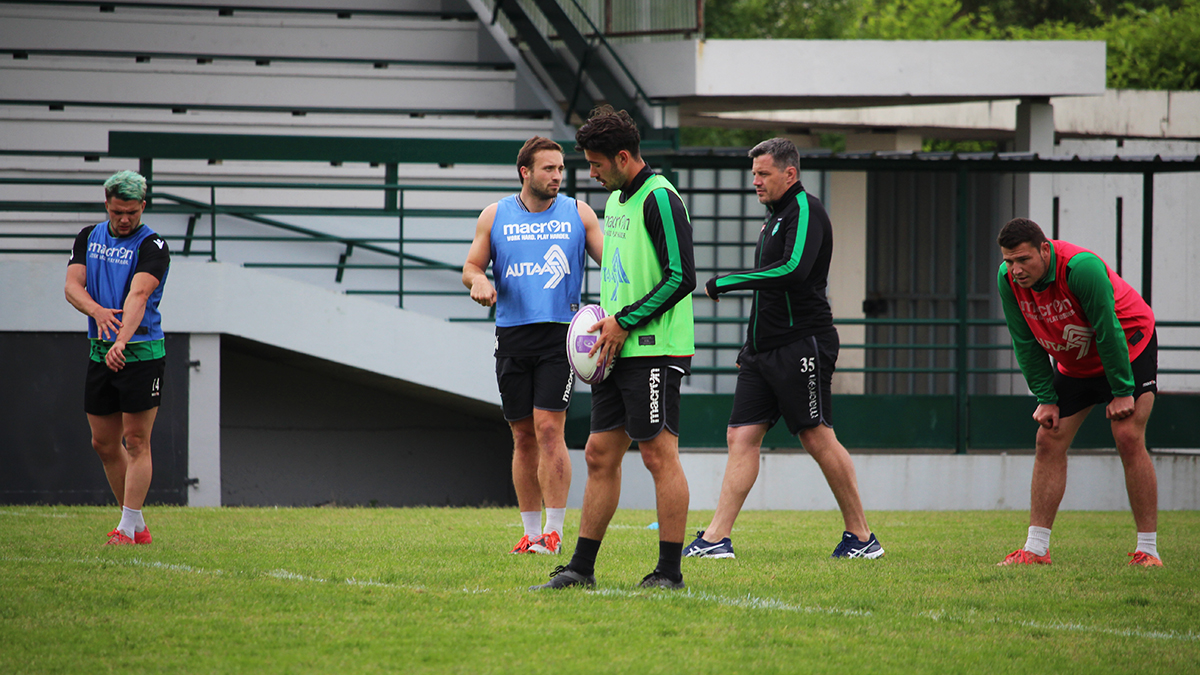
[{"x": 543, "y": 191}]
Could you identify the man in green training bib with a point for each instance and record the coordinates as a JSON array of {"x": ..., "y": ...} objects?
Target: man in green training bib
[{"x": 647, "y": 277}]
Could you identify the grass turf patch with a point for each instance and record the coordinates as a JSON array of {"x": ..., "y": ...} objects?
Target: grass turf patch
[{"x": 435, "y": 590}]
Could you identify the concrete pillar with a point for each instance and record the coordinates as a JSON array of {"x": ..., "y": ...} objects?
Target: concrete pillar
[
  {"x": 1033, "y": 194},
  {"x": 204, "y": 419},
  {"x": 848, "y": 270}
]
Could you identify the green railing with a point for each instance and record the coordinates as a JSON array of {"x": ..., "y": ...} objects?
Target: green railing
[{"x": 206, "y": 242}]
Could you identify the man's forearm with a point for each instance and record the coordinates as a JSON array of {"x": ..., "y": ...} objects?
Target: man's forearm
[{"x": 135, "y": 309}]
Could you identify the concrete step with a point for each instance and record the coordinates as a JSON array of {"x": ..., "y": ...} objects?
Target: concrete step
[
  {"x": 148, "y": 31},
  {"x": 85, "y": 129},
  {"x": 182, "y": 86}
]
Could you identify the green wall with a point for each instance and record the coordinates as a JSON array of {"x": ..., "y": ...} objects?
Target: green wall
[{"x": 910, "y": 422}]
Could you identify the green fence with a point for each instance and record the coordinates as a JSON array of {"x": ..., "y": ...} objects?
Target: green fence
[{"x": 960, "y": 420}]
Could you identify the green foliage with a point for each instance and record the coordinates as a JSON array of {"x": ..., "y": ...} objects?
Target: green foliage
[
  {"x": 834, "y": 142},
  {"x": 921, "y": 20},
  {"x": 1083, "y": 13},
  {"x": 1152, "y": 44},
  {"x": 716, "y": 137},
  {"x": 232, "y": 590},
  {"x": 946, "y": 145},
  {"x": 1157, "y": 49},
  {"x": 781, "y": 19}
]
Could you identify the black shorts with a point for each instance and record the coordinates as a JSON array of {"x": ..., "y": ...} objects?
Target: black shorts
[
  {"x": 544, "y": 382},
  {"x": 641, "y": 399},
  {"x": 794, "y": 381},
  {"x": 135, "y": 388},
  {"x": 1079, "y": 393}
]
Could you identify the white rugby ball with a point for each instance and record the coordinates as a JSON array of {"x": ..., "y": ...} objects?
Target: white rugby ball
[{"x": 589, "y": 369}]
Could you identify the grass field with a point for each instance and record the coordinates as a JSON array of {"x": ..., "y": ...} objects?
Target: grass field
[{"x": 434, "y": 590}]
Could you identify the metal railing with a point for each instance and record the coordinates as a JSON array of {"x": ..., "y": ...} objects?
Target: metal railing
[{"x": 221, "y": 232}]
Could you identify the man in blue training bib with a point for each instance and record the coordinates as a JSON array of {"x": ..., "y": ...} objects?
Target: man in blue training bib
[
  {"x": 116, "y": 276},
  {"x": 536, "y": 241}
]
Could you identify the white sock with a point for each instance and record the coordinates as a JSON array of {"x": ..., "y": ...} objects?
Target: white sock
[
  {"x": 1148, "y": 543},
  {"x": 1039, "y": 540},
  {"x": 554, "y": 520},
  {"x": 532, "y": 520},
  {"x": 131, "y": 522}
]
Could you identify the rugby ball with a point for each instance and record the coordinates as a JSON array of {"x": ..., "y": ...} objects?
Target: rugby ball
[{"x": 589, "y": 369}]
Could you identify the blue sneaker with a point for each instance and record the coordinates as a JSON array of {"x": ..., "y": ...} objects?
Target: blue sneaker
[
  {"x": 852, "y": 547},
  {"x": 703, "y": 549}
]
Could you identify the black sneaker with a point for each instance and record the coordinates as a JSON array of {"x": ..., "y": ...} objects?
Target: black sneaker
[
  {"x": 657, "y": 579},
  {"x": 852, "y": 547},
  {"x": 563, "y": 577}
]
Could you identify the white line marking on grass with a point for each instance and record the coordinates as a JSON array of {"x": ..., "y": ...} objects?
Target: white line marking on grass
[
  {"x": 41, "y": 515},
  {"x": 747, "y": 602},
  {"x": 174, "y": 567},
  {"x": 1153, "y": 634},
  {"x": 943, "y": 615}
]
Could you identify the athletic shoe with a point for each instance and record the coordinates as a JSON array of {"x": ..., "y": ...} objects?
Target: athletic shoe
[
  {"x": 703, "y": 549},
  {"x": 142, "y": 537},
  {"x": 852, "y": 547},
  {"x": 1144, "y": 559},
  {"x": 565, "y": 577},
  {"x": 547, "y": 544},
  {"x": 118, "y": 538},
  {"x": 1023, "y": 557},
  {"x": 523, "y": 545},
  {"x": 657, "y": 579}
]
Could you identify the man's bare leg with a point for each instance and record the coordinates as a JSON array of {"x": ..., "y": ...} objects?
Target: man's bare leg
[
  {"x": 741, "y": 471},
  {"x": 1140, "y": 480},
  {"x": 140, "y": 469},
  {"x": 525, "y": 465},
  {"x": 604, "y": 454},
  {"x": 822, "y": 444},
  {"x": 661, "y": 456},
  {"x": 107, "y": 431},
  {"x": 1049, "y": 481},
  {"x": 554, "y": 463}
]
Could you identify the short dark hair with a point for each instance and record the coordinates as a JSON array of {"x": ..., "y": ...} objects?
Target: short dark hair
[
  {"x": 1020, "y": 231},
  {"x": 608, "y": 131},
  {"x": 782, "y": 151},
  {"x": 532, "y": 147}
]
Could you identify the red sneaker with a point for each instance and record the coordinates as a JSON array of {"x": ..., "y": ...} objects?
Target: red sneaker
[
  {"x": 117, "y": 538},
  {"x": 547, "y": 544},
  {"x": 1023, "y": 557},
  {"x": 523, "y": 545},
  {"x": 1144, "y": 559},
  {"x": 142, "y": 537}
]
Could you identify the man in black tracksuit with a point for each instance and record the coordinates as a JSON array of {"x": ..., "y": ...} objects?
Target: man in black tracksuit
[{"x": 786, "y": 366}]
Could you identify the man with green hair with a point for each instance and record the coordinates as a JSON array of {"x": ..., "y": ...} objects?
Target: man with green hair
[{"x": 116, "y": 276}]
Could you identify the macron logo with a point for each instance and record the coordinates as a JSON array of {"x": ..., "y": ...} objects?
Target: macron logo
[{"x": 159, "y": 243}]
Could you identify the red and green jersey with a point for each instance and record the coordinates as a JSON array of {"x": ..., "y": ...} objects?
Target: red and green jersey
[{"x": 1083, "y": 315}]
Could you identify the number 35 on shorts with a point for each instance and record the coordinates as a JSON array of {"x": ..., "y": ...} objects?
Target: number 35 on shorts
[{"x": 808, "y": 364}]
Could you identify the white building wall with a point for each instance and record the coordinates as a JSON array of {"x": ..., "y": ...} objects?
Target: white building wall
[
  {"x": 1088, "y": 217},
  {"x": 792, "y": 481}
]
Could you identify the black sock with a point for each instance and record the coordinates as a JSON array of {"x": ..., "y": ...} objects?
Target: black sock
[
  {"x": 669, "y": 554},
  {"x": 584, "y": 558}
]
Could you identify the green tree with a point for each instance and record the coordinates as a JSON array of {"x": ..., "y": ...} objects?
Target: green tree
[
  {"x": 782, "y": 19},
  {"x": 921, "y": 20},
  {"x": 1151, "y": 44}
]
